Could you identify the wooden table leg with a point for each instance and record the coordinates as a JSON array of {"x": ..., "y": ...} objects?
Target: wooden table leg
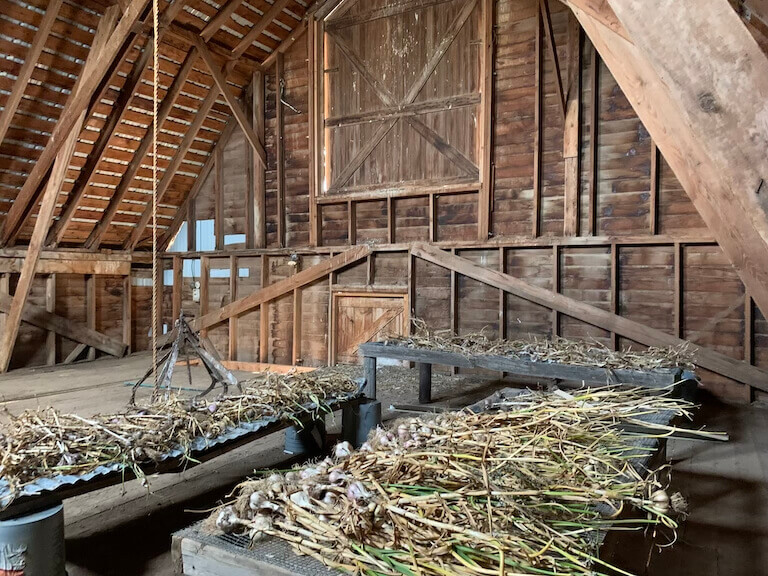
[
  {"x": 369, "y": 371},
  {"x": 425, "y": 383}
]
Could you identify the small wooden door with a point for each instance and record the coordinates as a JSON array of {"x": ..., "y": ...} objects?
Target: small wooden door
[{"x": 365, "y": 317}]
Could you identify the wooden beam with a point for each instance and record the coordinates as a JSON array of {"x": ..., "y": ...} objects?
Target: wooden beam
[
  {"x": 50, "y": 306},
  {"x": 653, "y": 213},
  {"x": 94, "y": 239},
  {"x": 90, "y": 309},
  {"x": 273, "y": 291},
  {"x": 99, "y": 150},
  {"x": 218, "y": 197},
  {"x": 73, "y": 266},
  {"x": 264, "y": 313},
  {"x": 572, "y": 132},
  {"x": 48, "y": 205},
  {"x": 178, "y": 281},
  {"x": 76, "y": 106},
  {"x": 170, "y": 171},
  {"x": 40, "y": 317},
  {"x": 277, "y": 7},
  {"x": 704, "y": 357},
  {"x": 296, "y": 340},
  {"x": 75, "y": 354},
  {"x": 484, "y": 200},
  {"x": 127, "y": 313},
  {"x": 35, "y": 49},
  {"x": 221, "y": 18},
  {"x": 698, "y": 124},
  {"x": 314, "y": 77},
  {"x": 234, "y": 105},
  {"x": 280, "y": 145},
  {"x": 205, "y": 274},
  {"x": 351, "y": 223},
  {"x": 615, "y": 303},
  {"x": 556, "y": 285},
  {"x": 594, "y": 119},
  {"x": 456, "y": 156},
  {"x": 549, "y": 33},
  {"x": 233, "y": 329},
  {"x": 416, "y": 108},
  {"x": 538, "y": 108},
  {"x": 256, "y": 232}
]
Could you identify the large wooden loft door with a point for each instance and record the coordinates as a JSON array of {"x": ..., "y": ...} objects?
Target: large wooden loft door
[
  {"x": 402, "y": 97},
  {"x": 365, "y": 317}
]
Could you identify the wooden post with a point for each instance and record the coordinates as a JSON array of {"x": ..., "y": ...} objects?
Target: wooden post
[
  {"x": 279, "y": 83},
  {"x": 5, "y": 290},
  {"x": 127, "y": 313},
  {"x": 454, "y": 307},
  {"x": 679, "y": 287},
  {"x": 256, "y": 233},
  {"x": 351, "y": 223},
  {"x": 218, "y": 197},
  {"x": 594, "y": 118},
  {"x": 390, "y": 220},
  {"x": 486, "y": 125},
  {"x": 296, "y": 348},
  {"x": 232, "y": 297},
  {"x": 264, "y": 314},
  {"x": 749, "y": 337},
  {"x": 191, "y": 225},
  {"x": 555, "y": 287},
  {"x": 205, "y": 272},
  {"x": 572, "y": 131},
  {"x": 50, "y": 306},
  {"x": 369, "y": 371},
  {"x": 432, "y": 217},
  {"x": 654, "y": 199},
  {"x": 614, "y": 290},
  {"x": 537, "y": 121},
  {"x": 90, "y": 307},
  {"x": 178, "y": 285},
  {"x": 425, "y": 383}
]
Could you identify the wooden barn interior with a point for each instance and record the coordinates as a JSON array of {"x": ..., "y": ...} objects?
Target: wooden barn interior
[{"x": 297, "y": 178}]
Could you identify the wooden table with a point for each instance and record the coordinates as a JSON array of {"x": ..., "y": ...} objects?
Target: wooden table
[{"x": 511, "y": 365}]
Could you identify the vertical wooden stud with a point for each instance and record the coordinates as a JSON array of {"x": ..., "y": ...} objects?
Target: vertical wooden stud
[
  {"x": 615, "y": 290},
  {"x": 218, "y": 197},
  {"x": 256, "y": 234},
  {"x": 749, "y": 338},
  {"x": 390, "y": 220},
  {"x": 351, "y": 223},
  {"x": 331, "y": 318},
  {"x": 205, "y": 273},
  {"x": 369, "y": 270},
  {"x": 178, "y": 285},
  {"x": 128, "y": 313},
  {"x": 486, "y": 124},
  {"x": 454, "y": 302},
  {"x": 50, "y": 306},
  {"x": 432, "y": 217},
  {"x": 5, "y": 289},
  {"x": 679, "y": 286},
  {"x": 654, "y": 199},
  {"x": 90, "y": 309},
  {"x": 232, "y": 297},
  {"x": 280, "y": 128},
  {"x": 537, "y": 121},
  {"x": 297, "y": 318},
  {"x": 556, "y": 287},
  {"x": 594, "y": 118},
  {"x": 191, "y": 227},
  {"x": 572, "y": 131},
  {"x": 264, "y": 314}
]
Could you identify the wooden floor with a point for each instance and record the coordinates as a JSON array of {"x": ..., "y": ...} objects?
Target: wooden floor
[{"x": 126, "y": 530}]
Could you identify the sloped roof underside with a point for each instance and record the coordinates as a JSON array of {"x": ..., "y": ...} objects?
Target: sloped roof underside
[{"x": 93, "y": 178}]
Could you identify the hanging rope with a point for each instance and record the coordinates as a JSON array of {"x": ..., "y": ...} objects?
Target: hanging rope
[{"x": 155, "y": 319}]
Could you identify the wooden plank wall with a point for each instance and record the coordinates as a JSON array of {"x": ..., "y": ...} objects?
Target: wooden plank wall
[{"x": 651, "y": 260}]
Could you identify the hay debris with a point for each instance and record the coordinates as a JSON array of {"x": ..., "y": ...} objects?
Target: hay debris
[{"x": 557, "y": 350}]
